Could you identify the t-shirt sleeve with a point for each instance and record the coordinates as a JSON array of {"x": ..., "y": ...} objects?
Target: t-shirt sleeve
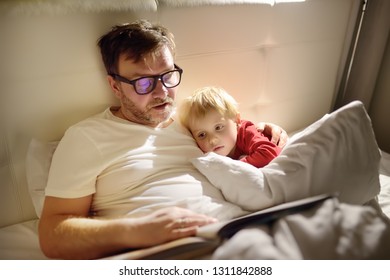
[{"x": 75, "y": 166}]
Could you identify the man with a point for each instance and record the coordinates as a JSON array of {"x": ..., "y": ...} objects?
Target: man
[{"x": 130, "y": 164}]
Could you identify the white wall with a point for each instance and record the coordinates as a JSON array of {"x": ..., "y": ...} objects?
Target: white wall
[{"x": 280, "y": 62}]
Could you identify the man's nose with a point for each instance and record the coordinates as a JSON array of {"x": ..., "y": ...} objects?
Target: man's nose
[{"x": 160, "y": 90}]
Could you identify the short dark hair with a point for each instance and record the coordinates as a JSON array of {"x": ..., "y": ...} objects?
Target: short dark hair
[{"x": 135, "y": 40}]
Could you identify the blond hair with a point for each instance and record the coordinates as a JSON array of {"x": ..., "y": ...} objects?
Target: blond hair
[{"x": 205, "y": 99}]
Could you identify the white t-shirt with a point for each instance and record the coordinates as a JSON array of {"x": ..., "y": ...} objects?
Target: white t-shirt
[{"x": 132, "y": 169}]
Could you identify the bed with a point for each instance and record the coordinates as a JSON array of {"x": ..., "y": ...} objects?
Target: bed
[{"x": 337, "y": 153}]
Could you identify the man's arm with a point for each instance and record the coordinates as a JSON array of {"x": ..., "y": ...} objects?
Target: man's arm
[{"x": 66, "y": 231}]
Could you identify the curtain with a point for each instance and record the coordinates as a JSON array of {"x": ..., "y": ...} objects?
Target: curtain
[{"x": 366, "y": 54}]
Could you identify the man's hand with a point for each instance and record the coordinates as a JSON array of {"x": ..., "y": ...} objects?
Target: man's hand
[
  {"x": 277, "y": 134},
  {"x": 165, "y": 225}
]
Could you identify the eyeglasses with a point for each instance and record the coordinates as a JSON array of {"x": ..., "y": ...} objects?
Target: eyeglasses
[{"x": 145, "y": 85}]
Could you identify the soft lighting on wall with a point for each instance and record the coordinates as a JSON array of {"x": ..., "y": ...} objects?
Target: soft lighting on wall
[
  {"x": 183, "y": 3},
  {"x": 288, "y": 1},
  {"x": 269, "y": 2}
]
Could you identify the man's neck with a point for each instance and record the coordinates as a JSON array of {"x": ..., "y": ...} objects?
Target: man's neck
[{"x": 118, "y": 113}]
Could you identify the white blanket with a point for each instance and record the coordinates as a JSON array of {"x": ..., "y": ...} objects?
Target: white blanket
[{"x": 330, "y": 231}]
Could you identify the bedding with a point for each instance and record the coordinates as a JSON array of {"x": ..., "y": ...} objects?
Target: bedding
[
  {"x": 38, "y": 162},
  {"x": 20, "y": 241},
  {"x": 384, "y": 178},
  {"x": 344, "y": 231}
]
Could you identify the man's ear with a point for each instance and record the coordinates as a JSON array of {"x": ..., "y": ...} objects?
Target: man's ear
[{"x": 114, "y": 85}]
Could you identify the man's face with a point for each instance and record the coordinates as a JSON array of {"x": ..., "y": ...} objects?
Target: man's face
[{"x": 150, "y": 109}]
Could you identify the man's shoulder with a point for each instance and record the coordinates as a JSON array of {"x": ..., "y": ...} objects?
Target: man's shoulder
[
  {"x": 90, "y": 125},
  {"x": 92, "y": 119}
]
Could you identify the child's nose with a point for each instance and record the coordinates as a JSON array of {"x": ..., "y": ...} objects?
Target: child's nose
[{"x": 213, "y": 140}]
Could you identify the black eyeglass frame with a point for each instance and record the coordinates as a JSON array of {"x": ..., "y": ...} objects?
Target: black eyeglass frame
[{"x": 155, "y": 79}]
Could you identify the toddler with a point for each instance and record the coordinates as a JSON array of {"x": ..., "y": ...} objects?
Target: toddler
[{"x": 212, "y": 117}]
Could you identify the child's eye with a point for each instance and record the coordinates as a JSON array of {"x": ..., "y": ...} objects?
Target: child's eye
[
  {"x": 219, "y": 127},
  {"x": 201, "y": 135}
]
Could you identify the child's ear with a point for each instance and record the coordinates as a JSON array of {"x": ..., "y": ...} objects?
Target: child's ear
[{"x": 238, "y": 118}]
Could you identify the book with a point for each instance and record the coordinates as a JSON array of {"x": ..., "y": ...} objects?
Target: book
[
  {"x": 180, "y": 249},
  {"x": 209, "y": 237}
]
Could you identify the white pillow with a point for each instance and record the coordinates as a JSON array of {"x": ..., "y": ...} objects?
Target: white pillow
[
  {"x": 38, "y": 163},
  {"x": 337, "y": 153}
]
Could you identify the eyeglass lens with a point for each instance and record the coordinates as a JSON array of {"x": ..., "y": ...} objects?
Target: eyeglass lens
[{"x": 169, "y": 79}]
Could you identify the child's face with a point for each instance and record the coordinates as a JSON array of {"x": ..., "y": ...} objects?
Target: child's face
[{"x": 215, "y": 133}]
